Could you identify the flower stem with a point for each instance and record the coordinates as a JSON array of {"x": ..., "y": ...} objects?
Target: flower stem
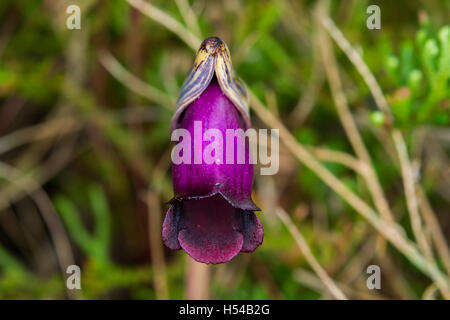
[{"x": 197, "y": 280}]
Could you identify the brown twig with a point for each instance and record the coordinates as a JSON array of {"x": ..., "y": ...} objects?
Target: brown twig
[
  {"x": 396, "y": 135},
  {"x": 306, "y": 251},
  {"x": 348, "y": 123},
  {"x": 435, "y": 230},
  {"x": 343, "y": 158},
  {"x": 156, "y": 249},
  {"x": 167, "y": 21},
  {"x": 189, "y": 16},
  {"x": 399, "y": 143},
  {"x": 57, "y": 161},
  {"x": 357, "y": 61},
  {"x": 311, "y": 280},
  {"x": 50, "y": 128},
  {"x": 410, "y": 193},
  {"x": 306, "y": 103},
  {"x": 137, "y": 85},
  {"x": 55, "y": 226}
]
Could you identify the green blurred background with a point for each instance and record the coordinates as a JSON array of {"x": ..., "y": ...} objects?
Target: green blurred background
[{"x": 85, "y": 145}]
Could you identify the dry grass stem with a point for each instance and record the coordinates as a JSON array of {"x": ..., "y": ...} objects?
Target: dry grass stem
[
  {"x": 137, "y": 85},
  {"x": 410, "y": 194},
  {"x": 349, "y": 125},
  {"x": 156, "y": 249},
  {"x": 435, "y": 230},
  {"x": 51, "y": 218},
  {"x": 189, "y": 16},
  {"x": 167, "y": 21},
  {"x": 306, "y": 251},
  {"x": 407, "y": 175}
]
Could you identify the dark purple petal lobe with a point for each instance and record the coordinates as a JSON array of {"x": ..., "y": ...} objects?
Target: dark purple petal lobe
[
  {"x": 209, "y": 230},
  {"x": 252, "y": 230},
  {"x": 170, "y": 228}
]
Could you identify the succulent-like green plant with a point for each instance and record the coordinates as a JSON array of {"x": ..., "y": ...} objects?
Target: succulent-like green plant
[{"x": 422, "y": 80}]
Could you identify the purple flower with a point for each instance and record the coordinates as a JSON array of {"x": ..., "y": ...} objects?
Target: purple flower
[{"x": 212, "y": 214}]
